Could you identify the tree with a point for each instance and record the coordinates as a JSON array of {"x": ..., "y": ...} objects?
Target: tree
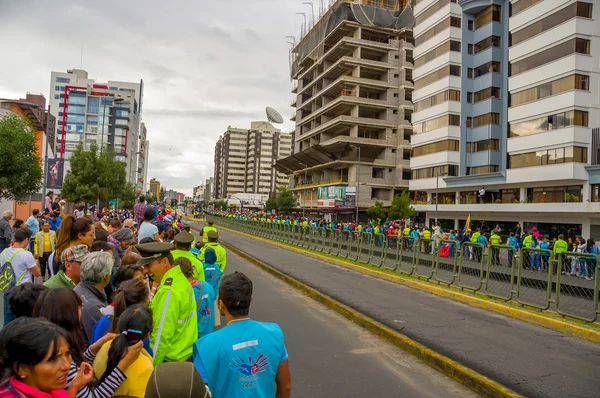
[
  {"x": 285, "y": 201},
  {"x": 173, "y": 202},
  {"x": 221, "y": 204},
  {"x": 96, "y": 176},
  {"x": 401, "y": 208},
  {"x": 271, "y": 203},
  {"x": 20, "y": 170},
  {"x": 377, "y": 211},
  {"x": 128, "y": 197}
]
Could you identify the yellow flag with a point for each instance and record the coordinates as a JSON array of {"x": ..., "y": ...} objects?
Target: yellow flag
[{"x": 468, "y": 222}]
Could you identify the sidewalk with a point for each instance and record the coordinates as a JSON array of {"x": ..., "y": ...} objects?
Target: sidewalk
[{"x": 531, "y": 360}]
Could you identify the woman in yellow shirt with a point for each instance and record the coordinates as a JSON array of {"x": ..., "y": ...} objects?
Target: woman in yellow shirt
[
  {"x": 135, "y": 324},
  {"x": 45, "y": 244}
]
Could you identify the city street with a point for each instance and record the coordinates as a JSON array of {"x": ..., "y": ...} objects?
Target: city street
[
  {"x": 507, "y": 350},
  {"x": 332, "y": 357}
]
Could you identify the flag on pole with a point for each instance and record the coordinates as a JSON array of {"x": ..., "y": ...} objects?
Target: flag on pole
[{"x": 468, "y": 222}]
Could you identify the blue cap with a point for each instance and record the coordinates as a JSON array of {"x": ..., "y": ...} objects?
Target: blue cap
[{"x": 168, "y": 218}]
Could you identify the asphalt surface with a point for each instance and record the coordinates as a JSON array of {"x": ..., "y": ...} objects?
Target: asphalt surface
[{"x": 532, "y": 360}]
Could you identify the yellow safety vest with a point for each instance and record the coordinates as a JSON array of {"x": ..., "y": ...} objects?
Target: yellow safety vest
[
  {"x": 427, "y": 234},
  {"x": 205, "y": 232}
]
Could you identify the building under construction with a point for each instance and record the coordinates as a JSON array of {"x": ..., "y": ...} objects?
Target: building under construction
[{"x": 353, "y": 92}]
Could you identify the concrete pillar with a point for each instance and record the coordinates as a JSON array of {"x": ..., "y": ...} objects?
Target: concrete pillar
[
  {"x": 523, "y": 195},
  {"x": 429, "y": 197},
  {"x": 456, "y": 223},
  {"x": 586, "y": 193},
  {"x": 586, "y": 228},
  {"x": 457, "y": 200}
]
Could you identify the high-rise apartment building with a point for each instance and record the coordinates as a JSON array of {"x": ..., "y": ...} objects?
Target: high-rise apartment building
[
  {"x": 244, "y": 160},
  {"x": 143, "y": 154},
  {"x": 155, "y": 188},
  {"x": 104, "y": 113},
  {"x": 354, "y": 72},
  {"x": 506, "y": 98}
]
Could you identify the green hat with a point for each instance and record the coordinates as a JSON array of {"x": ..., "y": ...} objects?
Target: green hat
[
  {"x": 184, "y": 238},
  {"x": 152, "y": 251},
  {"x": 212, "y": 234}
]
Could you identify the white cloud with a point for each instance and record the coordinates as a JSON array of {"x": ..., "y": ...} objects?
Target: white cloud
[{"x": 205, "y": 64}]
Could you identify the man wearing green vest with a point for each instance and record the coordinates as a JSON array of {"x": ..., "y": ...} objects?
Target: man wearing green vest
[
  {"x": 213, "y": 241},
  {"x": 495, "y": 252},
  {"x": 560, "y": 246},
  {"x": 205, "y": 230},
  {"x": 183, "y": 244},
  {"x": 173, "y": 306}
]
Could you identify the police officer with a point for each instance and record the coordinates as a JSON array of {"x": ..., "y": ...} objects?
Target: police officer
[
  {"x": 183, "y": 245},
  {"x": 213, "y": 241},
  {"x": 205, "y": 230},
  {"x": 173, "y": 306}
]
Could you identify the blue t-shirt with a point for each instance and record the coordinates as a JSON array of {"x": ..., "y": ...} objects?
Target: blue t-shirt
[
  {"x": 512, "y": 241},
  {"x": 212, "y": 275},
  {"x": 241, "y": 359},
  {"x": 101, "y": 328},
  {"x": 147, "y": 230},
  {"x": 482, "y": 240},
  {"x": 205, "y": 312}
]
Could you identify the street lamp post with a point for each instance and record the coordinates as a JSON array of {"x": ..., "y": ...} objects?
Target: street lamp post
[
  {"x": 304, "y": 189},
  {"x": 312, "y": 10},
  {"x": 303, "y": 26}
]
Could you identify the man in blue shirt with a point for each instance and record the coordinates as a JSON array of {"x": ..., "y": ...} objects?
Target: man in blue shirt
[
  {"x": 482, "y": 240},
  {"x": 34, "y": 226},
  {"x": 245, "y": 358},
  {"x": 513, "y": 243}
]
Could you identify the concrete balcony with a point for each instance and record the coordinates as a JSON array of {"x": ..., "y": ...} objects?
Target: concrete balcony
[{"x": 580, "y": 207}]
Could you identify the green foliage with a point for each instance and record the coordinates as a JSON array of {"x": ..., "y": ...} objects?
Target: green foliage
[
  {"x": 20, "y": 170},
  {"x": 221, "y": 204},
  {"x": 285, "y": 201},
  {"x": 150, "y": 199},
  {"x": 128, "y": 197},
  {"x": 96, "y": 176},
  {"x": 401, "y": 208},
  {"x": 271, "y": 203},
  {"x": 173, "y": 203},
  {"x": 377, "y": 211}
]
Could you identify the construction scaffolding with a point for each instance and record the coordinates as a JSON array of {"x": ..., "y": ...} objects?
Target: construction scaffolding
[{"x": 389, "y": 14}]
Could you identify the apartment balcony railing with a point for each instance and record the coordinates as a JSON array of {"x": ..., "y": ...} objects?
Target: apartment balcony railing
[{"x": 324, "y": 182}]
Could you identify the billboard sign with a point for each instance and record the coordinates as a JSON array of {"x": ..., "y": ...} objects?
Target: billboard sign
[
  {"x": 54, "y": 173},
  {"x": 336, "y": 196}
]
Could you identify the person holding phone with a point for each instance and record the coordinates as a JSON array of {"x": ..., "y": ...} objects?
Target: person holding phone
[{"x": 134, "y": 325}]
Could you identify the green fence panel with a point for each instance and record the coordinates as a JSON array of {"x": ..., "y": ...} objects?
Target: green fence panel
[
  {"x": 390, "y": 258},
  {"x": 578, "y": 297},
  {"x": 500, "y": 271},
  {"x": 534, "y": 286},
  {"x": 446, "y": 263},
  {"x": 407, "y": 256},
  {"x": 425, "y": 260},
  {"x": 366, "y": 247},
  {"x": 470, "y": 266}
]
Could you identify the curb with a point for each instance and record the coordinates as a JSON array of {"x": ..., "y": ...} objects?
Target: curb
[
  {"x": 462, "y": 374},
  {"x": 534, "y": 319}
]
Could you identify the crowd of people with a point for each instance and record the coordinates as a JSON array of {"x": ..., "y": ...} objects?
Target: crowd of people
[
  {"x": 452, "y": 242},
  {"x": 119, "y": 303}
]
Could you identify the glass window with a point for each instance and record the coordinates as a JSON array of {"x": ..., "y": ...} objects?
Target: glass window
[
  {"x": 482, "y": 170},
  {"x": 486, "y": 43},
  {"x": 437, "y": 75},
  {"x": 430, "y": 172},
  {"x": 488, "y": 118},
  {"x": 550, "y": 122},
  {"x": 448, "y": 95},
  {"x": 551, "y": 156},
  {"x": 440, "y": 146},
  {"x": 486, "y": 68},
  {"x": 522, "y": 5},
  {"x": 63, "y": 80},
  {"x": 568, "y": 83},
  {"x": 578, "y": 9},
  {"x": 440, "y": 27},
  {"x": 436, "y": 6},
  {"x": 438, "y": 51},
  {"x": 490, "y": 92},
  {"x": 487, "y": 15},
  {"x": 569, "y": 47},
  {"x": 443, "y": 121},
  {"x": 93, "y": 103},
  {"x": 484, "y": 145}
]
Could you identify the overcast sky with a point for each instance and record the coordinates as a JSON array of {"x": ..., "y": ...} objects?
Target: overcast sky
[{"x": 206, "y": 64}]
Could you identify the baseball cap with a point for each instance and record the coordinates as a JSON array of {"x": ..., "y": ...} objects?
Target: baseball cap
[
  {"x": 168, "y": 219},
  {"x": 129, "y": 223},
  {"x": 75, "y": 253}
]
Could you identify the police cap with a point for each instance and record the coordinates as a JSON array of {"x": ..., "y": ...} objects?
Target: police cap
[
  {"x": 152, "y": 251},
  {"x": 212, "y": 234},
  {"x": 184, "y": 238}
]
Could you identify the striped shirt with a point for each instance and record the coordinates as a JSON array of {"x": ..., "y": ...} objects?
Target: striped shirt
[{"x": 106, "y": 389}]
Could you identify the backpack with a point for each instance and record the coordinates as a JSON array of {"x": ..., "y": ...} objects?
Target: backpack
[{"x": 7, "y": 274}]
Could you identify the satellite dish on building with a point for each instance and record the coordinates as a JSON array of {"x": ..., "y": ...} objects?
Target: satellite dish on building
[{"x": 273, "y": 116}]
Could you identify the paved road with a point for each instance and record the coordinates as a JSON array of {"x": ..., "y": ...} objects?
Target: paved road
[
  {"x": 531, "y": 360},
  {"x": 332, "y": 357}
]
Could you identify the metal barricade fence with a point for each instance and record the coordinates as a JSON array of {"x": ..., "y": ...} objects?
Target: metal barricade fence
[
  {"x": 366, "y": 247},
  {"x": 446, "y": 262},
  {"x": 495, "y": 271},
  {"x": 500, "y": 271},
  {"x": 534, "y": 289},
  {"x": 425, "y": 261},
  {"x": 379, "y": 249},
  {"x": 390, "y": 259},
  {"x": 407, "y": 258},
  {"x": 578, "y": 297},
  {"x": 470, "y": 266}
]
